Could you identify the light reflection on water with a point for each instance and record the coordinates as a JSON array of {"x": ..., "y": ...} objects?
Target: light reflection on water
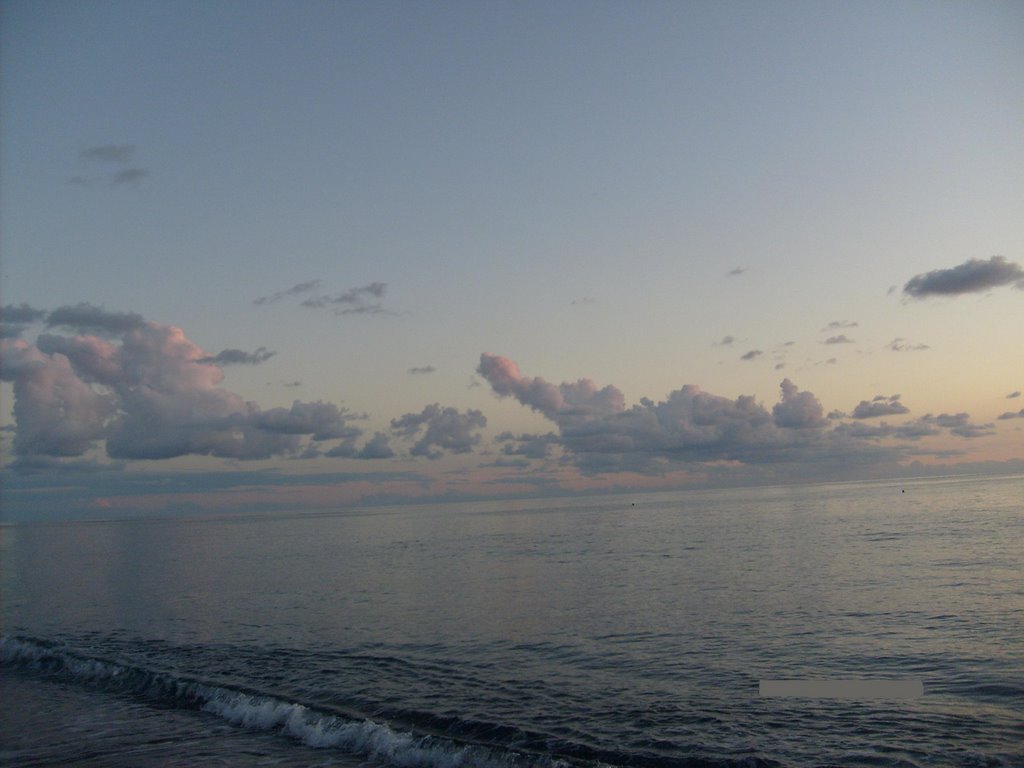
[{"x": 588, "y": 615}]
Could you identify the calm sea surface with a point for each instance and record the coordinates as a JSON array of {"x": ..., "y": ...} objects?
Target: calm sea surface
[{"x": 620, "y": 631}]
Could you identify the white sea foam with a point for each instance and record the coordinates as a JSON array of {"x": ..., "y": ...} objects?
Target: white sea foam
[{"x": 374, "y": 740}]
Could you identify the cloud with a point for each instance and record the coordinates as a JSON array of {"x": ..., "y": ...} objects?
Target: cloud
[
  {"x": 899, "y": 344},
  {"x": 735, "y": 272},
  {"x": 149, "y": 394},
  {"x": 690, "y": 426},
  {"x": 959, "y": 424},
  {"x": 108, "y": 153},
  {"x": 751, "y": 355},
  {"x": 840, "y": 339},
  {"x": 726, "y": 341},
  {"x": 838, "y": 324},
  {"x": 527, "y": 445},
  {"x": 129, "y": 176},
  {"x": 352, "y": 300},
  {"x": 88, "y": 318},
  {"x": 239, "y": 357},
  {"x": 877, "y": 407},
  {"x": 443, "y": 429},
  {"x": 600, "y": 434},
  {"x": 797, "y": 410},
  {"x": 570, "y": 402},
  {"x": 421, "y": 371},
  {"x": 973, "y": 276},
  {"x": 1013, "y": 394},
  {"x": 1011, "y": 415},
  {"x": 21, "y": 313},
  {"x": 57, "y": 413},
  {"x": 376, "y": 447},
  {"x": 15, "y": 319},
  {"x": 309, "y": 285}
]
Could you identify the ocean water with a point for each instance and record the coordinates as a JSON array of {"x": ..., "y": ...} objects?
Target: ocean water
[{"x": 617, "y": 631}]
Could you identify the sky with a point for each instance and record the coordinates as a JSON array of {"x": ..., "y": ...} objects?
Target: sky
[{"x": 307, "y": 255}]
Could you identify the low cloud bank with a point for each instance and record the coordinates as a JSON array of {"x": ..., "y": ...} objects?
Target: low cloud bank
[{"x": 599, "y": 433}]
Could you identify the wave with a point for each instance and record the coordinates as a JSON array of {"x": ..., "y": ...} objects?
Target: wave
[{"x": 372, "y": 740}]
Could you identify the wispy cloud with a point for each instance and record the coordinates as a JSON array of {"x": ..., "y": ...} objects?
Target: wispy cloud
[
  {"x": 840, "y": 339},
  {"x": 1012, "y": 415},
  {"x": 239, "y": 357},
  {"x": 295, "y": 290},
  {"x": 973, "y": 276},
  {"x": 1015, "y": 393},
  {"x": 751, "y": 355},
  {"x": 735, "y": 272},
  {"x": 89, "y": 318},
  {"x": 899, "y": 344},
  {"x": 129, "y": 176},
  {"x": 836, "y": 325},
  {"x": 421, "y": 371},
  {"x": 354, "y": 301},
  {"x": 108, "y": 153}
]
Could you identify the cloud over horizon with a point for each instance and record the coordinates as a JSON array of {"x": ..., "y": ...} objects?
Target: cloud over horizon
[
  {"x": 692, "y": 426},
  {"x": 136, "y": 389}
]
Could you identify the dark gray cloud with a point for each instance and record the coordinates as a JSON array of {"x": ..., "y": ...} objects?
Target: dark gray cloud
[
  {"x": 529, "y": 446},
  {"x": 306, "y": 287},
  {"x": 109, "y": 153},
  {"x": 751, "y": 355},
  {"x": 973, "y": 276},
  {"x": 1012, "y": 415},
  {"x": 239, "y": 357},
  {"x": 959, "y": 424},
  {"x": 377, "y": 447},
  {"x": 1013, "y": 394},
  {"x": 15, "y": 319},
  {"x": 422, "y": 370},
  {"x": 129, "y": 176},
  {"x": 319, "y": 420},
  {"x": 437, "y": 429},
  {"x": 735, "y": 272},
  {"x": 877, "y": 408},
  {"x": 353, "y": 301},
  {"x": 726, "y": 341},
  {"x": 88, "y": 318},
  {"x": 899, "y": 344},
  {"x": 840, "y": 339},
  {"x": 21, "y": 313}
]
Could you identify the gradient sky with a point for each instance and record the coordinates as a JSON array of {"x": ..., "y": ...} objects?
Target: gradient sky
[{"x": 456, "y": 225}]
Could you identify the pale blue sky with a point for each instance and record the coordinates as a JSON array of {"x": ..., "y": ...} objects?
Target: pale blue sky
[{"x": 567, "y": 185}]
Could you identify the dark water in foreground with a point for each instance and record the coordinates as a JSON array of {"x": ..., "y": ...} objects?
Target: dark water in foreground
[{"x": 577, "y": 632}]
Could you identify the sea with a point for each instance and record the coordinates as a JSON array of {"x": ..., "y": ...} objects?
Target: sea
[{"x": 618, "y": 630}]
